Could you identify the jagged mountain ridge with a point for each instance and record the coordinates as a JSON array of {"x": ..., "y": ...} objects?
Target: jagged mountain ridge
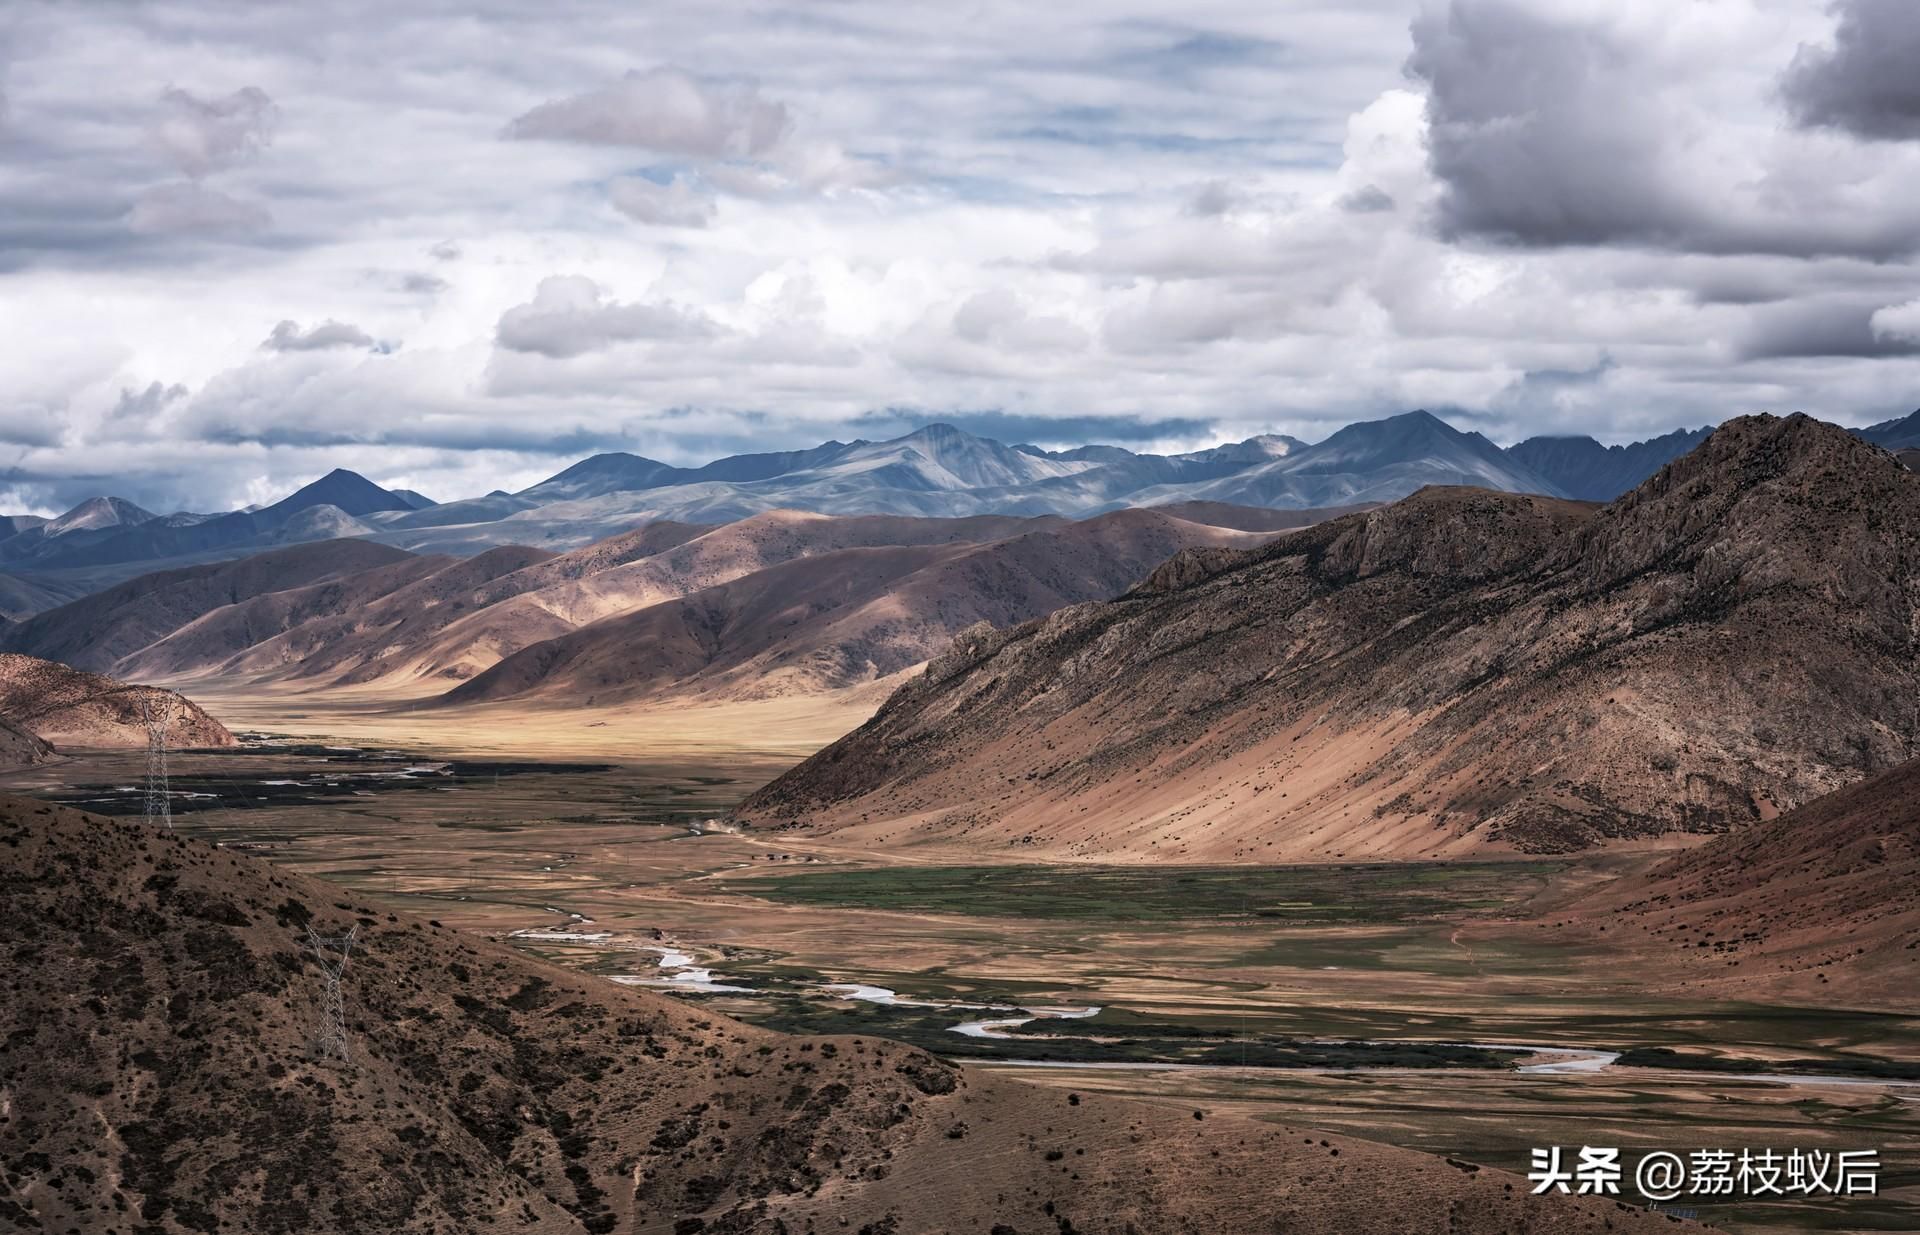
[
  {"x": 1456, "y": 672},
  {"x": 109, "y": 531},
  {"x": 1582, "y": 468}
]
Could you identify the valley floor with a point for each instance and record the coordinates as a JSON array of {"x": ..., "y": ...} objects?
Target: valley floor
[{"x": 619, "y": 866}]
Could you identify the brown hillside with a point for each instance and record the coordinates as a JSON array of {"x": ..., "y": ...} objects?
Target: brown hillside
[
  {"x": 837, "y": 619},
  {"x": 553, "y": 604},
  {"x": 316, "y": 632},
  {"x": 66, "y": 707},
  {"x": 1257, "y": 518},
  {"x": 1828, "y": 892},
  {"x": 96, "y": 632},
  {"x": 158, "y": 1079},
  {"x": 1458, "y": 671}
]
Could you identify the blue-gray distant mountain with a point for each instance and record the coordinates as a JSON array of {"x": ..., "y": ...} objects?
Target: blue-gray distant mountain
[
  {"x": 618, "y": 472},
  {"x": 1374, "y": 461},
  {"x": 350, "y": 491},
  {"x": 1585, "y": 469},
  {"x": 35, "y": 539},
  {"x": 1901, "y": 434},
  {"x": 939, "y": 471},
  {"x": 105, "y": 532}
]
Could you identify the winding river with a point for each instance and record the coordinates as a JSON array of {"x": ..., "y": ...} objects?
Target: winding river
[{"x": 680, "y": 971}]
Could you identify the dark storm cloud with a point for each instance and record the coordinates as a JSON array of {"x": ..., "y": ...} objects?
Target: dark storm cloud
[
  {"x": 1868, "y": 82},
  {"x": 1532, "y": 133},
  {"x": 199, "y": 135},
  {"x": 1212, "y": 199},
  {"x": 1548, "y": 131},
  {"x": 1367, "y": 199},
  {"x": 1838, "y": 326}
]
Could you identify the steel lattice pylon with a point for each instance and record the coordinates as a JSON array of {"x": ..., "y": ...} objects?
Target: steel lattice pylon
[
  {"x": 331, "y": 952},
  {"x": 156, "y": 709}
]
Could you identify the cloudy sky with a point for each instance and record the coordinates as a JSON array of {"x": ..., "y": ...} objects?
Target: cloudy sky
[{"x": 455, "y": 246}]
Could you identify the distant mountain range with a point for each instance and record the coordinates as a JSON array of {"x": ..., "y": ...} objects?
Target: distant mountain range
[{"x": 935, "y": 472}]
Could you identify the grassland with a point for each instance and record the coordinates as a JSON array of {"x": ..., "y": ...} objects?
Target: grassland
[{"x": 1288, "y": 895}]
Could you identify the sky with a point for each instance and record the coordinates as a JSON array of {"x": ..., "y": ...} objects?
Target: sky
[{"x": 457, "y": 246}]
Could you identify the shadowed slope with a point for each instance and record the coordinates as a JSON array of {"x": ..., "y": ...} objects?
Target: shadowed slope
[{"x": 19, "y": 748}]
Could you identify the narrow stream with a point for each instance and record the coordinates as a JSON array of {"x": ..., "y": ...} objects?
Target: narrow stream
[{"x": 680, "y": 971}]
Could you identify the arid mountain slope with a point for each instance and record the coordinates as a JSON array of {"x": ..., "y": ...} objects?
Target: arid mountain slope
[
  {"x": 657, "y": 563},
  {"x": 1460, "y": 671},
  {"x": 67, "y": 707},
  {"x": 159, "y": 1078},
  {"x": 1825, "y": 893},
  {"x": 97, "y": 632},
  {"x": 736, "y": 550},
  {"x": 344, "y": 622},
  {"x": 841, "y": 618}
]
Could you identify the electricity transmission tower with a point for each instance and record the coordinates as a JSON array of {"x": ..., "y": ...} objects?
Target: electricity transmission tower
[
  {"x": 331, "y": 952},
  {"x": 156, "y": 710}
]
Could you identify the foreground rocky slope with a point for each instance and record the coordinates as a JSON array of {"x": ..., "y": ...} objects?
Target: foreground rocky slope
[
  {"x": 1460, "y": 671},
  {"x": 63, "y": 706},
  {"x": 157, "y": 1078}
]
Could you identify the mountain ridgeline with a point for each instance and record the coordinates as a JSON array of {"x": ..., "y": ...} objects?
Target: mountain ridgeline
[
  {"x": 935, "y": 472},
  {"x": 1459, "y": 671}
]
